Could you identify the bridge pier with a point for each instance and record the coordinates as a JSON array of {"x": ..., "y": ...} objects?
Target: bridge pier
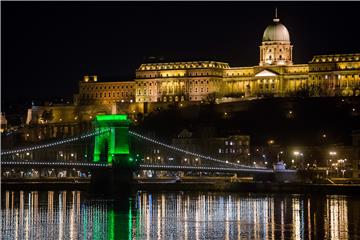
[
  {"x": 112, "y": 180},
  {"x": 112, "y": 147}
]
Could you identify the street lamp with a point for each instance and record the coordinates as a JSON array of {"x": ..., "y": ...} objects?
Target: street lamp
[
  {"x": 297, "y": 154},
  {"x": 332, "y": 154}
]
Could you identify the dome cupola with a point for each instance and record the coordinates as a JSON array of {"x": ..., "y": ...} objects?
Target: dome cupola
[
  {"x": 276, "y": 48},
  {"x": 276, "y": 32}
]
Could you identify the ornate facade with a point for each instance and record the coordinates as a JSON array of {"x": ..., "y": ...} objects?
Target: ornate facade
[{"x": 276, "y": 75}]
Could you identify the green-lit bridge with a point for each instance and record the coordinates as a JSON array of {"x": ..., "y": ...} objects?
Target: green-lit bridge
[{"x": 113, "y": 162}]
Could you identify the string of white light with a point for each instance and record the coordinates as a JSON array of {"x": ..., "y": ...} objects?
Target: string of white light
[
  {"x": 170, "y": 167},
  {"x": 63, "y": 141},
  {"x": 78, "y": 164},
  {"x": 191, "y": 153}
]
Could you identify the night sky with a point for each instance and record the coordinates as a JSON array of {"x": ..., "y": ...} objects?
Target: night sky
[{"x": 48, "y": 46}]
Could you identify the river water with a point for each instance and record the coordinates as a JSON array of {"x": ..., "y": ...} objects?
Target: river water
[{"x": 178, "y": 215}]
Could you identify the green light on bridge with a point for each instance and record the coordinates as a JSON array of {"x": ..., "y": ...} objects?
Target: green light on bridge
[
  {"x": 113, "y": 144},
  {"x": 113, "y": 117}
]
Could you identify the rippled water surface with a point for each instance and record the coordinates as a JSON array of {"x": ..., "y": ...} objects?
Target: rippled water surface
[{"x": 145, "y": 215}]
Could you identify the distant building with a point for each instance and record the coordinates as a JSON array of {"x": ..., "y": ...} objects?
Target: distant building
[
  {"x": 157, "y": 85},
  {"x": 3, "y": 123},
  {"x": 276, "y": 75},
  {"x": 234, "y": 148}
]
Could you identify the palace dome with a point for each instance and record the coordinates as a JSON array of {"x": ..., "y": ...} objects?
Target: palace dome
[{"x": 276, "y": 32}]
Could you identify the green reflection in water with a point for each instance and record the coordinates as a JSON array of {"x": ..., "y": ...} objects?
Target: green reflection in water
[
  {"x": 85, "y": 223},
  {"x": 111, "y": 222},
  {"x": 97, "y": 229},
  {"x": 130, "y": 220}
]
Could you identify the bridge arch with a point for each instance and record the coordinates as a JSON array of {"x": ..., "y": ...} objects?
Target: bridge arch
[{"x": 112, "y": 145}]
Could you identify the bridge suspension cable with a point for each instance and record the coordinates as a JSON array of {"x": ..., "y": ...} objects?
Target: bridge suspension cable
[
  {"x": 190, "y": 153},
  {"x": 55, "y": 143}
]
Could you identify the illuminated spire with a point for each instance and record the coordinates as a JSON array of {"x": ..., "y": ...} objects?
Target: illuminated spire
[{"x": 276, "y": 19}]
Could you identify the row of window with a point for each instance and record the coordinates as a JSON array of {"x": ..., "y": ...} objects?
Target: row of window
[
  {"x": 280, "y": 58},
  {"x": 96, "y": 95},
  {"x": 175, "y": 83},
  {"x": 238, "y": 74},
  {"x": 201, "y": 90},
  {"x": 279, "y": 50},
  {"x": 184, "y": 66},
  {"x": 176, "y": 98},
  {"x": 329, "y": 68},
  {"x": 336, "y": 59},
  {"x": 231, "y": 143},
  {"x": 106, "y": 87},
  {"x": 231, "y": 150},
  {"x": 318, "y": 77},
  {"x": 266, "y": 86},
  {"x": 179, "y": 75}
]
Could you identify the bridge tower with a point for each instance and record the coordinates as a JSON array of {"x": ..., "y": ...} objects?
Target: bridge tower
[{"x": 112, "y": 147}]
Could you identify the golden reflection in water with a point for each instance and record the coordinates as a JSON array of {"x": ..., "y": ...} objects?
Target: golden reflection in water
[
  {"x": 21, "y": 210},
  {"x": 147, "y": 215},
  {"x": 163, "y": 213},
  {"x": 296, "y": 218},
  {"x": 232, "y": 215},
  {"x": 337, "y": 213},
  {"x": 73, "y": 232},
  {"x": 36, "y": 214},
  {"x": 176, "y": 216},
  {"x": 282, "y": 221},
  {"x": 50, "y": 212},
  {"x": 309, "y": 217},
  {"x": 272, "y": 210},
  {"x": 24, "y": 218},
  {"x": 238, "y": 219},
  {"x": 159, "y": 219},
  {"x": 186, "y": 206},
  {"x": 197, "y": 217}
]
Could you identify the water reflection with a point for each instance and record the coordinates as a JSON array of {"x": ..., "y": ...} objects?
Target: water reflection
[{"x": 73, "y": 215}]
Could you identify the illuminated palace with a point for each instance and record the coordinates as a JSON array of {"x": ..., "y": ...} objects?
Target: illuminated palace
[{"x": 276, "y": 75}]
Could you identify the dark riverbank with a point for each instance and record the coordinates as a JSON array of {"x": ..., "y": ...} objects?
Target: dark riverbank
[{"x": 353, "y": 189}]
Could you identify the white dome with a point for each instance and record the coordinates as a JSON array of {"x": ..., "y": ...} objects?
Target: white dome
[{"x": 276, "y": 32}]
